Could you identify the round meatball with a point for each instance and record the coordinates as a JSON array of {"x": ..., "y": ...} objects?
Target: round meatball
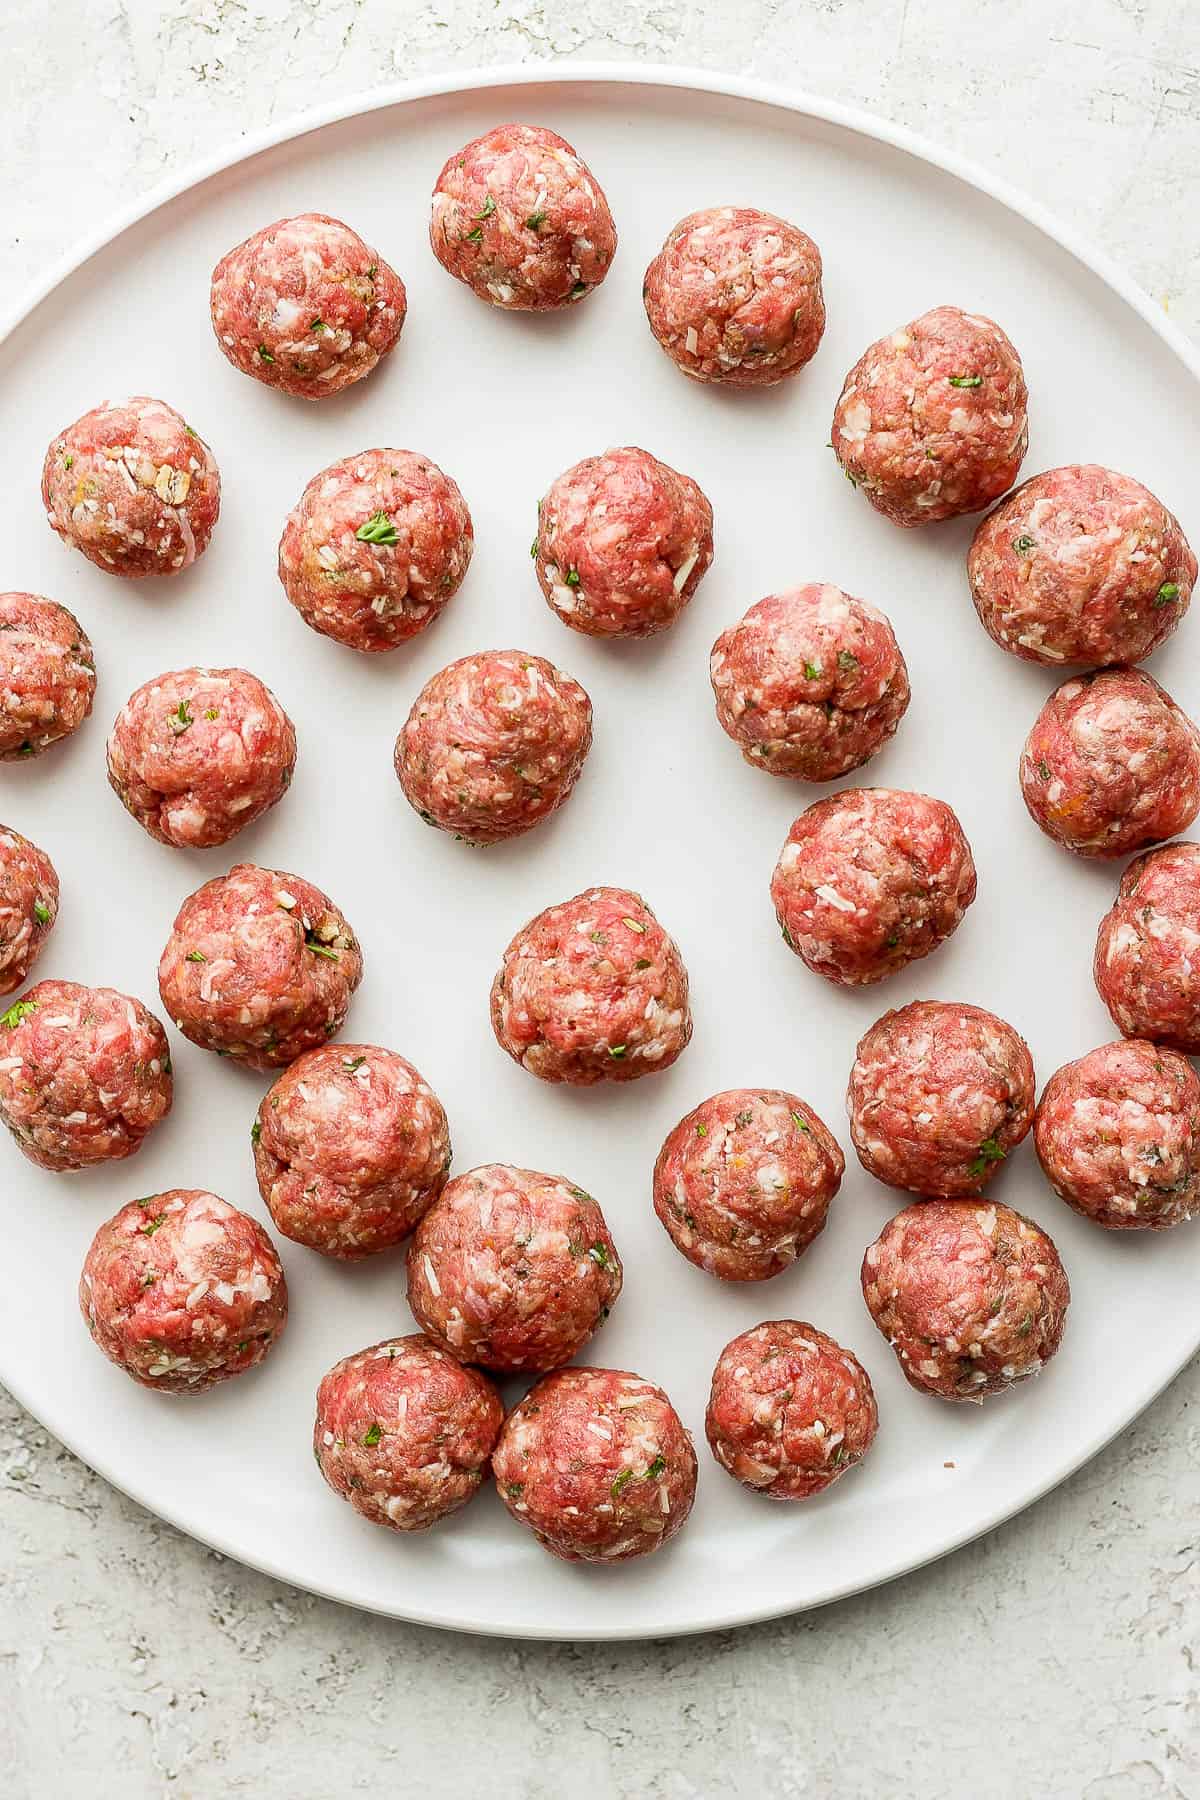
[
  {"x": 405, "y": 1433},
  {"x": 47, "y": 675},
  {"x": 1081, "y": 565},
  {"x": 305, "y": 306},
  {"x": 260, "y": 965},
  {"x": 28, "y": 906},
  {"x": 743, "y": 1183},
  {"x": 134, "y": 487},
  {"x": 931, "y": 421},
  {"x": 1147, "y": 962},
  {"x": 181, "y": 1290},
  {"x": 493, "y": 745},
  {"x": 809, "y": 683},
  {"x": 512, "y": 1269},
  {"x": 375, "y": 547},
  {"x": 734, "y": 295},
  {"x": 592, "y": 990},
  {"x": 870, "y": 880},
  {"x": 1111, "y": 764},
  {"x": 85, "y": 1073},
  {"x": 622, "y": 543},
  {"x": 971, "y": 1296},
  {"x": 939, "y": 1095},
  {"x": 196, "y": 755},
  {"x": 351, "y": 1148},
  {"x": 597, "y": 1464},
  {"x": 790, "y": 1410},
  {"x": 1118, "y": 1136},
  {"x": 521, "y": 219}
]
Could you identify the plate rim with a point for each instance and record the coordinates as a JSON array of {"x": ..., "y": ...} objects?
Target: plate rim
[{"x": 802, "y": 104}]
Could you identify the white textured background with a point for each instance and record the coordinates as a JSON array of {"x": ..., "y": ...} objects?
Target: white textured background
[{"x": 1054, "y": 1657}]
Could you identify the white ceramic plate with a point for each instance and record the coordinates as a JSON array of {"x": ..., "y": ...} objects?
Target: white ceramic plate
[{"x": 666, "y": 806}]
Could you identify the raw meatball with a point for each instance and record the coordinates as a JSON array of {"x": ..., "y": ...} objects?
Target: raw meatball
[
  {"x": 1118, "y": 1136},
  {"x": 790, "y": 1410},
  {"x": 198, "y": 754},
  {"x": 1081, "y": 565},
  {"x": 734, "y": 295},
  {"x": 305, "y": 306},
  {"x": 351, "y": 1148},
  {"x": 181, "y": 1290},
  {"x": 622, "y": 543},
  {"x": 494, "y": 744},
  {"x": 743, "y": 1183},
  {"x": 28, "y": 906},
  {"x": 1147, "y": 963},
  {"x": 971, "y": 1296},
  {"x": 522, "y": 220},
  {"x": 597, "y": 1464},
  {"x": 592, "y": 990},
  {"x": 47, "y": 675},
  {"x": 84, "y": 1074},
  {"x": 259, "y": 965},
  {"x": 939, "y": 1094},
  {"x": 512, "y": 1269},
  {"x": 870, "y": 880},
  {"x": 375, "y": 547},
  {"x": 405, "y": 1433},
  {"x": 134, "y": 487},
  {"x": 1111, "y": 764},
  {"x": 931, "y": 421},
  {"x": 809, "y": 683}
]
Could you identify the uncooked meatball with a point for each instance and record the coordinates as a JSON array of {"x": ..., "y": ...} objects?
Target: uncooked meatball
[
  {"x": 939, "y": 1096},
  {"x": 375, "y": 547},
  {"x": 28, "y": 906},
  {"x": 734, "y": 295},
  {"x": 405, "y": 1433},
  {"x": 47, "y": 675},
  {"x": 1111, "y": 764},
  {"x": 971, "y": 1296},
  {"x": 260, "y": 965},
  {"x": 744, "y": 1182},
  {"x": 592, "y": 990},
  {"x": 596, "y": 1463},
  {"x": 790, "y": 1411},
  {"x": 181, "y": 1290},
  {"x": 512, "y": 1269},
  {"x": 622, "y": 543},
  {"x": 1147, "y": 961},
  {"x": 1081, "y": 565},
  {"x": 133, "y": 487},
  {"x": 1118, "y": 1136},
  {"x": 521, "y": 219},
  {"x": 493, "y": 745},
  {"x": 351, "y": 1148},
  {"x": 305, "y": 306},
  {"x": 196, "y": 755},
  {"x": 85, "y": 1073},
  {"x": 931, "y": 421},
  {"x": 809, "y": 683},
  {"x": 870, "y": 880}
]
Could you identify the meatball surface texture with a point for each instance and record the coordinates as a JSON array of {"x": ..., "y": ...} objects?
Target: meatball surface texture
[
  {"x": 932, "y": 419},
  {"x": 971, "y": 1296},
  {"x": 734, "y": 296},
  {"x": 405, "y": 1433},
  {"x": 181, "y": 1290},
  {"x": 869, "y": 880},
  {"x": 596, "y": 1463},
  {"x": 520, "y": 218}
]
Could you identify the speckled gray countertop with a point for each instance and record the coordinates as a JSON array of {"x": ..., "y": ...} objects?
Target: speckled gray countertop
[{"x": 1055, "y": 1657}]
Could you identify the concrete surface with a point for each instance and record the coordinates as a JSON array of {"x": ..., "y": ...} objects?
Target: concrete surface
[{"x": 1053, "y": 1658}]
